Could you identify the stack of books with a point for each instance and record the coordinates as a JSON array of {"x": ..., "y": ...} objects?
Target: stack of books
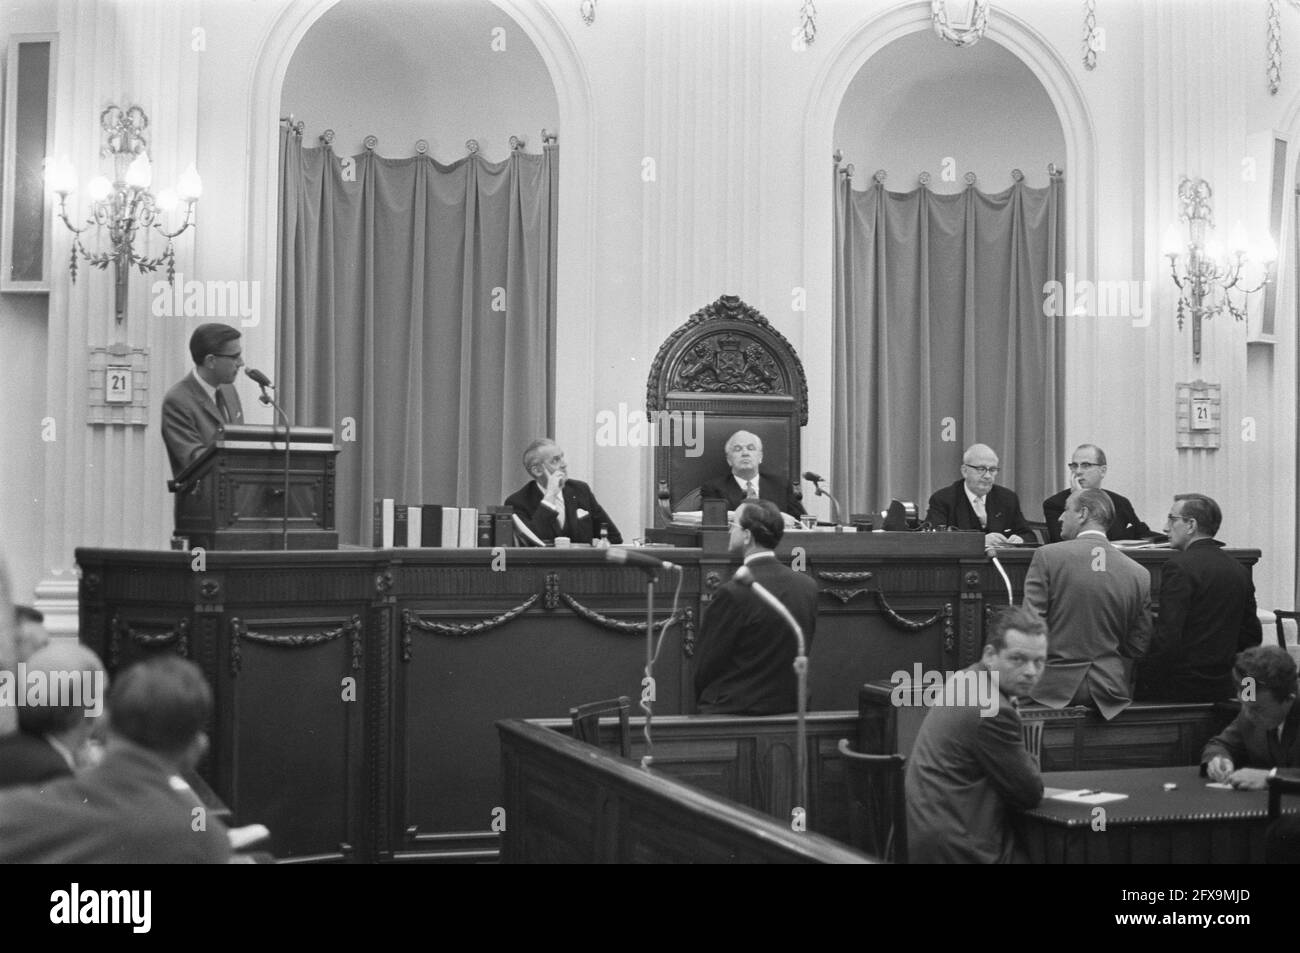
[{"x": 401, "y": 524}]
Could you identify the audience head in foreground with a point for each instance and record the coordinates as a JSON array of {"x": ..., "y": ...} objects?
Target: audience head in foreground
[
  {"x": 131, "y": 807},
  {"x": 54, "y": 735},
  {"x": 1207, "y": 611},
  {"x": 29, "y": 632},
  {"x": 551, "y": 505},
  {"x": 745, "y": 481},
  {"x": 969, "y": 769},
  {"x": 744, "y": 662},
  {"x": 1265, "y": 736}
]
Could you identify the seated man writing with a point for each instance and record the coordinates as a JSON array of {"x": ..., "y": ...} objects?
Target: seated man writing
[
  {"x": 1266, "y": 735},
  {"x": 552, "y": 505},
  {"x": 744, "y": 452}
]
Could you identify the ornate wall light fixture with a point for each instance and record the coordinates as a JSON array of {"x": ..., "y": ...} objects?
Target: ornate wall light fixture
[
  {"x": 125, "y": 205},
  {"x": 1206, "y": 277}
]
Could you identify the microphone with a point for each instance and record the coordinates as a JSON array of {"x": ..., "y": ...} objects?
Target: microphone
[
  {"x": 258, "y": 377},
  {"x": 619, "y": 555},
  {"x": 811, "y": 477},
  {"x": 816, "y": 480}
]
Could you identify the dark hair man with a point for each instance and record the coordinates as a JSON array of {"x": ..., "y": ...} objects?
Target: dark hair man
[
  {"x": 552, "y": 505},
  {"x": 745, "y": 661},
  {"x": 1096, "y": 602},
  {"x": 132, "y": 807},
  {"x": 1207, "y": 611},
  {"x": 968, "y": 772},
  {"x": 744, "y": 452},
  {"x": 52, "y": 736},
  {"x": 1087, "y": 470},
  {"x": 976, "y": 502},
  {"x": 205, "y": 400}
]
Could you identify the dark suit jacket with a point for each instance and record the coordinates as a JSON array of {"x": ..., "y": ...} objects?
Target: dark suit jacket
[
  {"x": 545, "y": 522},
  {"x": 966, "y": 776},
  {"x": 1097, "y": 605},
  {"x": 1126, "y": 525},
  {"x": 744, "y": 664},
  {"x": 1250, "y": 746},
  {"x": 769, "y": 488},
  {"x": 949, "y": 507},
  {"x": 190, "y": 420},
  {"x": 1207, "y": 616},
  {"x": 123, "y": 811},
  {"x": 28, "y": 759}
]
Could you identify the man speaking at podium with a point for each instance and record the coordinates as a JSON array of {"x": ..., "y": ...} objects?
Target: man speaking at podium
[{"x": 204, "y": 401}]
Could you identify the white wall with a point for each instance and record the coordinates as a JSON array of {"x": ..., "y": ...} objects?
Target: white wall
[{"x": 919, "y": 103}]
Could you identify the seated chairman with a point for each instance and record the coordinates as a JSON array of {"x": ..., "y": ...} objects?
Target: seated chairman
[
  {"x": 51, "y": 739},
  {"x": 1266, "y": 735},
  {"x": 131, "y": 808},
  {"x": 1096, "y": 602},
  {"x": 968, "y": 774},
  {"x": 744, "y": 453},
  {"x": 974, "y": 502},
  {"x": 1087, "y": 470},
  {"x": 552, "y": 505},
  {"x": 205, "y": 400},
  {"x": 1207, "y": 611},
  {"x": 745, "y": 661}
]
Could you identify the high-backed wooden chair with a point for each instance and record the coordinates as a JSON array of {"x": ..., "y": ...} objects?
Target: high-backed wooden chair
[
  {"x": 725, "y": 369},
  {"x": 586, "y": 722},
  {"x": 877, "y": 810},
  {"x": 1280, "y": 616}
]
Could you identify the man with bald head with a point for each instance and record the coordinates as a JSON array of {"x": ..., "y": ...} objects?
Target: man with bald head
[
  {"x": 53, "y": 734},
  {"x": 976, "y": 502},
  {"x": 1087, "y": 470},
  {"x": 744, "y": 452}
]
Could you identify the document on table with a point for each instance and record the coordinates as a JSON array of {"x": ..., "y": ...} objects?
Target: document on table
[{"x": 1083, "y": 796}]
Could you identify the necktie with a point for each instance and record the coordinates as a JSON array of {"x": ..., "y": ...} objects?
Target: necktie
[
  {"x": 222, "y": 406},
  {"x": 979, "y": 511},
  {"x": 750, "y": 492}
]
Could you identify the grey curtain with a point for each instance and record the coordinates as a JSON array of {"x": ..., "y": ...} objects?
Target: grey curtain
[
  {"x": 416, "y": 318},
  {"x": 941, "y": 340}
]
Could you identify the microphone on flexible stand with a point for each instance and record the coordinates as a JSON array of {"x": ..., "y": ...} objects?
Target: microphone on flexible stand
[
  {"x": 745, "y": 577},
  {"x": 617, "y": 554},
  {"x": 816, "y": 481},
  {"x": 264, "y": 382}
]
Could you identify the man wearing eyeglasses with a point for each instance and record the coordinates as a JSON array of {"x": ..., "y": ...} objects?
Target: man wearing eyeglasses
[
  {"x": 1087, "y": 470},
  {"x": 205, "y": 400},
  {"x": 1207, "y": 611},
  {"x": 975, "y": 502}
]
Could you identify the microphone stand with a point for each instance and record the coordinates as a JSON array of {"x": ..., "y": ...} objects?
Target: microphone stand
[
  {"x": 839, "y": 515},
  {"x": 746, "y": 577},
  {"x": 284, "y": 520}
]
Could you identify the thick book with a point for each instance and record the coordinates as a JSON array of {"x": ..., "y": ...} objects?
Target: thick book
[
  {"x": 382, "y": 534},
  {"x": 430, "y": 525},
  {"x": 484, "y": 528},
  {"x": 399, "y": 525},
  {"x": 468, "y": 526},
  {"x": 450, "y": 526},
  {"x": 414, "y": 526}
]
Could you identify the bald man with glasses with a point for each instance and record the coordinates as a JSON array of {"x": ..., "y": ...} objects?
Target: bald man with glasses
[
  {"x": 1087, "y": 470},
  {"x": 975, "y": 502}
]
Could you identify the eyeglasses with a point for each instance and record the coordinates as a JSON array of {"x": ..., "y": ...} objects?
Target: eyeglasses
[
  {"x": 1084, "y": 467},
  {"x": 982, "y": 471},
  {"x": 1171, "y": 518}
]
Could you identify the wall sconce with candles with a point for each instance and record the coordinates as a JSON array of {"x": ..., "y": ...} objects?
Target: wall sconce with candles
[
  {"x": 1205, "y": 276},
  {"x": 125, "y": 205}
]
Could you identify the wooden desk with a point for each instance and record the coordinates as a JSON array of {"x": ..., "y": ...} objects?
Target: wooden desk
[
  {"x": 1190, "y": 825},
  {"x": 357, "y": 690}
]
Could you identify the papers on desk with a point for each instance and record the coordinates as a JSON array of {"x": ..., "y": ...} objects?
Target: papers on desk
[{"x": 1083, "y": 796}]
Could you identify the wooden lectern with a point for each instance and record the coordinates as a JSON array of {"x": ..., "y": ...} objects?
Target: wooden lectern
[{"x": 232, "y": 495}]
